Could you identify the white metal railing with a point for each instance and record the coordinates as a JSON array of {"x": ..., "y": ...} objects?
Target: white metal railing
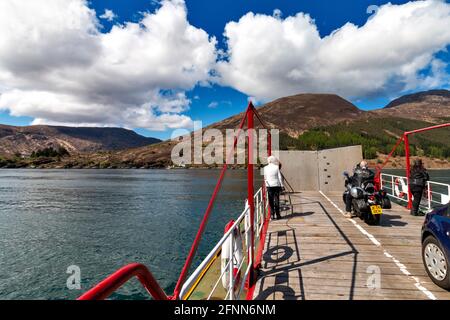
[
  {"x": 397, "y": 187},
  {"x": 239, "y": 231}
]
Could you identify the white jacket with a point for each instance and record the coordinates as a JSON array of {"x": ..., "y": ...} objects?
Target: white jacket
[{"x": 272, "y": 176}]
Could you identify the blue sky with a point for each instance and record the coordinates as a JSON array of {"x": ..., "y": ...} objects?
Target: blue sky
[{"x": 215, "y": 102}]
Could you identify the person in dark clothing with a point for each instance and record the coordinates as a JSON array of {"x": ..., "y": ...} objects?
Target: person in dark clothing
[
  {"x": 361, "y": 174},
  {"x": 348, "y": 204},
  {"x": 274, "y": 201},
  {"x": 417, "y": 179}
]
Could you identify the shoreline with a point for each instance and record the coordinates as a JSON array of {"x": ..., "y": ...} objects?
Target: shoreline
[{"x": 167, "y": 168}]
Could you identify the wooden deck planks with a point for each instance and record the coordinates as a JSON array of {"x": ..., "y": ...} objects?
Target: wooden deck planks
[{"x": 314, "y": 252}]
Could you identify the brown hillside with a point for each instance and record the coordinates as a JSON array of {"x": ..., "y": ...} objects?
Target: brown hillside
[
  {"x": 295, "y": 114},
  {"x": 25, "y": 140}
]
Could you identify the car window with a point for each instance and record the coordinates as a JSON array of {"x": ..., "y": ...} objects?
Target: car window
[{"x": 448, "y": 210}]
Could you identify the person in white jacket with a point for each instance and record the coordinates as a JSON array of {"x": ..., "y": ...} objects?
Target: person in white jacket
[{"x": 274, "y": 184}]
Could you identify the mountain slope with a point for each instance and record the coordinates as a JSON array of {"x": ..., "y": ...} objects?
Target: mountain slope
[
  {"x": 424, "y": 96},
  {"x": 25, "y": 140},
  {"x": 376, "y": 135},
  {"x": 431, "y": 106},
  {"x": 295, "y": 114}
]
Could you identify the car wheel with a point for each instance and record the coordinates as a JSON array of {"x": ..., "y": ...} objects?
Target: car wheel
[{"x": 435, "y": 262}]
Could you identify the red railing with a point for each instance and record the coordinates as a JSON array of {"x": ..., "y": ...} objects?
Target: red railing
[
  {"x": 105, "y": 288},
  {"x": 108, "y": 286},
  {"x": 405, "y": 138}
]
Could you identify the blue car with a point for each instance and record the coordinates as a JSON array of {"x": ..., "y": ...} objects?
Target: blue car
[{"x": 436, "y": 246}]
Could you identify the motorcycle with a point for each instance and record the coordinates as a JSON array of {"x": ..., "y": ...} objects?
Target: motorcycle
[{"x": 367, "y": 202}]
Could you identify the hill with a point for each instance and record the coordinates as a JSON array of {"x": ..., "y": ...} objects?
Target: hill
[
  {"x": 23, "y": 141},
  {"x": 377, "y": 136},
  {"x": 424, "y": 96},
  {"x": 431, "y": 106},
  {"x": 295, "y": 114}
]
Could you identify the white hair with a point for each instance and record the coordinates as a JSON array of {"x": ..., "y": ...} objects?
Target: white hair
[{"x": 273, "y": 159}]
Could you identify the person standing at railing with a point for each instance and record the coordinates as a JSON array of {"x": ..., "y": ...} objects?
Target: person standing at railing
[
  {"x": 274, "y": 184},
  {"x": 418, "y": 179}
]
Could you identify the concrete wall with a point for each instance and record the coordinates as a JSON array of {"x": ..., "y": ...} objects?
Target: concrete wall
[{"x": 319, "y": 170}]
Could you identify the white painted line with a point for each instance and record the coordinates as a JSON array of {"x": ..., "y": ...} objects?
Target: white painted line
[{"x": 400, "y": 265}]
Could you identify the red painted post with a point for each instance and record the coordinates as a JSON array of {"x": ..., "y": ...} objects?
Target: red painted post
[
  {"x": 408, "y": 168},
  {"x": 250, "y": 190},
  {"x": 202, "y": 227},
  {"x": 269, "y": 143}
]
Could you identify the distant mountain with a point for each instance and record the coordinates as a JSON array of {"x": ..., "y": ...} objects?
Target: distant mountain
[
  {"x": 431, "y": 106},
  {"x": 437, "y": 96},
  {"x": 24, "y": 140},
  {"x": 295, "y": 114}
]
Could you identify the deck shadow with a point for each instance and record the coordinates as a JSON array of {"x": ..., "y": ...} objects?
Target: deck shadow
[
  {"x": 388, "y": 220},
  {"x": 299, "y": 214},
  {"x": 281, "y": 235},
  {"x": 282, "y": 285},
  {"x": 281, "y": 273}
]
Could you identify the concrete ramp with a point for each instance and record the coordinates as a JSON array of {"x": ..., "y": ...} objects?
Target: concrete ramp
[{"x": 319, "y": 170}]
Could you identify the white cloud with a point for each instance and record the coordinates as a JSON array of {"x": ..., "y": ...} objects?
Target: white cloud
[
  {"x": 108, "y": 15},
  {"x": 213, "y": 105},
  {"x": 56, "y": 66},
  {"x": 269, "y": 57}
]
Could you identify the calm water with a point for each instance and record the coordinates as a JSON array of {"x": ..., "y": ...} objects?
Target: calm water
[{"x": 101, "y": 220}]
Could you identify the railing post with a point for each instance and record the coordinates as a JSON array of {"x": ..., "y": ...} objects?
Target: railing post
[
  {"x": 231, "y": 268},
  {"x": 392, "y": 185},
  {"x": 408, "y": 168},
  {"x": 250, "y": 190},
  {"x": 429, "y": 195},
  {"x": 381, "y": 181}
]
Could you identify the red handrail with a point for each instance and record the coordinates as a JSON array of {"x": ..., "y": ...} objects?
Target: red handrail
[
  {"x": 107, "y": 287},
  {"x": 405, "y": 138}
]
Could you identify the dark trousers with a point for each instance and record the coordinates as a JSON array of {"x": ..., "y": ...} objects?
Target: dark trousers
[
  {"x": 274, "y": 200},
  {"x": 417, "y": 192},
  {"x": 348, "y": 202}
]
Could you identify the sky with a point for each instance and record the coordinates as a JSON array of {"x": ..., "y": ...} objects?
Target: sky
[{"x": 157, "y": 66}]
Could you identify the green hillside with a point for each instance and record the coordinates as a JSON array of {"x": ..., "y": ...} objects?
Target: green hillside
[{"x": 375, "y": 135}]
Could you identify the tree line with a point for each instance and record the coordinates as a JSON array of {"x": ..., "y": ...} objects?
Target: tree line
[
  {"x": 50, "y": 152},
  {"x": 372, "y": 144}
]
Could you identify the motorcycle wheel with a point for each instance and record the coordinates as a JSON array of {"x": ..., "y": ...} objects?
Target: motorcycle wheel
[
  {"x": 386, "y": 203},
  {"x": 366, "y": 217},
  {"x": 356, "y": 212},
  {"x": 372, "y": 220}
]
